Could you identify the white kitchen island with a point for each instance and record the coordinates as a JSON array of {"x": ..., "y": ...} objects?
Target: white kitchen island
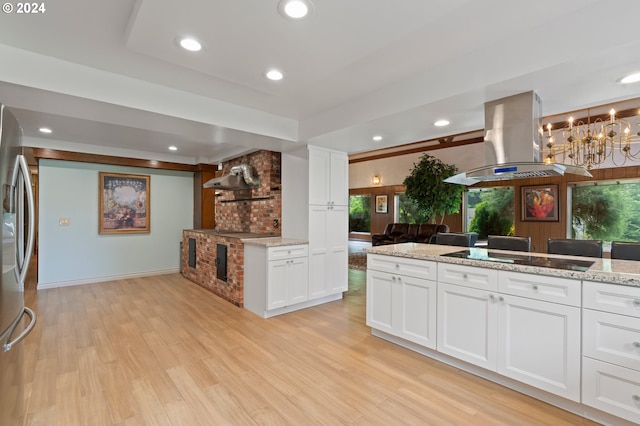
[{"x": 565, "y": 336}]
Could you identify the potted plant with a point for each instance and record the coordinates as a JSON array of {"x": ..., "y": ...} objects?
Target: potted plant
[{"x": 428, "y": 190}]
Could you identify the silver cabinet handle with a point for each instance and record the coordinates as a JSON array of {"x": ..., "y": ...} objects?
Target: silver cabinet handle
[
  {"x": 10, "y": 343},
  {"x": 636, "y": 344},
  {"x": 501, "y": 299},
  {"x": 491, "y": 297},
  {"x": 464, "y": 276},
  {"x": 636, "y": 398},
  {"x": 535, "y": 287},
  {"x": 393, "y": 279},
  {"x": 636, "y": 302},
  {"x": 397, "y": 266}
]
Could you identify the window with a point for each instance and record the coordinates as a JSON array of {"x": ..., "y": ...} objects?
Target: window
[
  {"x": 360, "y": 213},
  {"x": 605, "y": 210},
  {"x": 406, "y": 212},
  {"x": 489, "y": 211}
]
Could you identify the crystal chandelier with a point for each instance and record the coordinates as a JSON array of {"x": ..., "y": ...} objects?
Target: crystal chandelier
[{"x": 601, "y": 139}]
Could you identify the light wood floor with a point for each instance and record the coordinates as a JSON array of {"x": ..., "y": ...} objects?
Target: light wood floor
[{"x": 163, "y": 351}]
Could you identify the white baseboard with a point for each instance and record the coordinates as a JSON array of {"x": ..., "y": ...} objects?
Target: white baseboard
[{"x": 56, "y": 284}]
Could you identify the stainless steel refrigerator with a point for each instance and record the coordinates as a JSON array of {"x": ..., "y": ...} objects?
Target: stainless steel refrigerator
[{"x": 18, "y": 225}]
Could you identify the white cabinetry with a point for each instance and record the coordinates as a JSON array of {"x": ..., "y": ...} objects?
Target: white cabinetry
[
  {"x": 532, "y": 337},
  {"x": 328, "y": 177},
  {"x": 401, "y": 298},
  {"x": 328, "y": 250},
  {"x": 611, "y": 349},
  {"x": 275, "y": 278},
  {"x": 467, "y": 315},
  {"x": 539, "y": 331},
  {"x": 315, "y": 198}
]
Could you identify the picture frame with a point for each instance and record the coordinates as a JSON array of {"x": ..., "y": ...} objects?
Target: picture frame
[
  {"x": 540, "y": 203},
  {"x": 124, "y": 203},
  {"x": 382, "y": 203}
]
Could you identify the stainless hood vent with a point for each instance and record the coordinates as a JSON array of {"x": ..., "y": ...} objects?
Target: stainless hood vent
[
  {"x": 240, "y": 177},
  {"x": 512, "y": 147}
]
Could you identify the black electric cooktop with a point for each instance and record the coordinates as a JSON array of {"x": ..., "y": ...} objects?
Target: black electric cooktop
[{"x": 522, "y": 259}]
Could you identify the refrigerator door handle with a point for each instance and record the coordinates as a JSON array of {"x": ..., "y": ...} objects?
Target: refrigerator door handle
[
  {"x": 6, "y": 347},
  {"x": 25, "y": 257}
]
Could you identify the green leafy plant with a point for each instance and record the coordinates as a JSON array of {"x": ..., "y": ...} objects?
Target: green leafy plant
[{"x": 428, "y": 190}]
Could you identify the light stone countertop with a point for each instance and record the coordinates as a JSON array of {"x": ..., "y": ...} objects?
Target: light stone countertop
[
  {"x": 623, "y": 272},
  {"x": 273, "y": 241}
]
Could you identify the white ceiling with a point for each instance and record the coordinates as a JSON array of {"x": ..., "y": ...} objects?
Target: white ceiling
[{"x": 108, "y": 77}]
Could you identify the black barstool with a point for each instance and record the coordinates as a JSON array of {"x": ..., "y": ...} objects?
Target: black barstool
[
  {"x": 588, "y": 248},
  {"x": 505, "y": 242},
  {"x": 624, "y": 250},
  {"x": 454, "y": 239}
]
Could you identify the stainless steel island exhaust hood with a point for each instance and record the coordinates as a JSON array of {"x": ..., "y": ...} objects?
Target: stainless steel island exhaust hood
[
  {"x": 512, "y": 146},
  {"x": 240, "y": 177}
]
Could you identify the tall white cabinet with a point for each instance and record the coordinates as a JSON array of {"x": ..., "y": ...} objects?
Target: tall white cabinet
[{"x": 315, "y": 197}]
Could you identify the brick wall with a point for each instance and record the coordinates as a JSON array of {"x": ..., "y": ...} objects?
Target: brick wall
[
  {"x": 204, "y": 274},
  {"x": 252, "y": 210}
]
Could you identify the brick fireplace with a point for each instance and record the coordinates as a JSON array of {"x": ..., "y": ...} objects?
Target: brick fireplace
[{"x": 254, "y": 211}]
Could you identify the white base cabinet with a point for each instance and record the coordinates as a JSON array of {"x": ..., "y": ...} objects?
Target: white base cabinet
[
  {"x": 539, "y": 344},
  {"x": 275, "y": 278},
  {"x": 401, "y": 298},
  {"x": 467, "y": 325},
  {"x": 536, "y": 342},
  {"x": 611, "y": 349}
]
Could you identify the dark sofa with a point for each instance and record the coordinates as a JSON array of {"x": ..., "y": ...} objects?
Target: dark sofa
[{"x": 396, "y": 233}]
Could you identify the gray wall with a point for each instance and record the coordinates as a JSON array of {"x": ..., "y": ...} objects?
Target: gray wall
[{"x": 77, "y": 254}]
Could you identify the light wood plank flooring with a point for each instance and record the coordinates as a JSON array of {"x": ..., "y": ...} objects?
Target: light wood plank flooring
[{"x": 163, "y": 351}]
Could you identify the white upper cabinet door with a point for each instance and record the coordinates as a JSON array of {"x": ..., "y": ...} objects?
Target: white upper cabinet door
[
  {"x": 339, "y": 182},
  {"x": 328, "y": 177}
]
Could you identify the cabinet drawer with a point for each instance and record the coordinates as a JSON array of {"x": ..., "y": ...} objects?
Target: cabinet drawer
[
  {"x": 288, "y": 252},
  {"x": 469, "y": 276},
  {"x": 540, "y": 287},
  {"x": 402, "y": 266},
  {"x": 618, "y": 299},
  {"x": 612, "y": 338},
  {"x": 613, "y": 389}
]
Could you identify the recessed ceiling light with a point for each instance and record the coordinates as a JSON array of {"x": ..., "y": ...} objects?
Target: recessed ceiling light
[
  {"x": 377, "y": 138},
  {"x": 173, "y": 148},
  {"x": 190, "y": 44},
  {"x": 631, "y": 78},
  {"x": 45, "y": 130},
  {"x": 441, "y": 123},
  {"x": 274, "y": 75},
  {"x": 295, "y": 9}
]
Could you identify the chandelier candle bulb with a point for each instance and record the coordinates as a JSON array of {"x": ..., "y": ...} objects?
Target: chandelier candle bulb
[{"x": 613, "y": 115}]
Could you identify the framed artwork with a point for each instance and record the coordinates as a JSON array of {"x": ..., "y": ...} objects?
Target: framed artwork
[
  {"x": 124, "y": 206},
  {"x": 540, "y": 203},
  {"x": 381, "y": 203}
]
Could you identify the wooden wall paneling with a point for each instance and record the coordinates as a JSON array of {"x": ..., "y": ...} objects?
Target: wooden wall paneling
[{"x": 208, "y": 201}]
